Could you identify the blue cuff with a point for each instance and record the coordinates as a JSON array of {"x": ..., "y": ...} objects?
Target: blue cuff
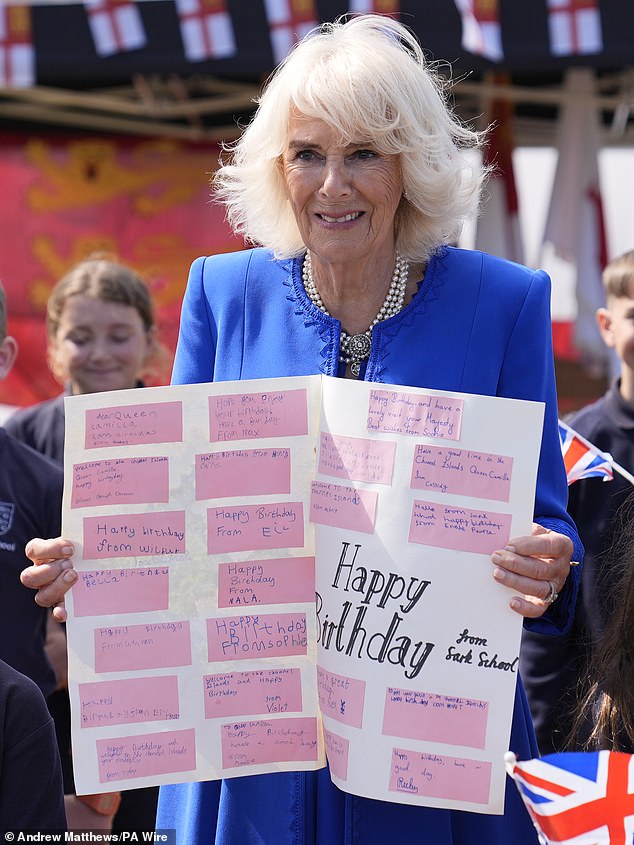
[{"x": 558, "y": 617}]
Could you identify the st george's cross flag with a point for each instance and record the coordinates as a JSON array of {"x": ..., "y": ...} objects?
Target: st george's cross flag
[
  {"x": 574, "y": 27},
  {"x": 206, "y": 29},
  {"x": 581, "y": 458},
  {"x": 289, "y": 21},
  {"x": 578, "y": 798},
  {"x": 17, "y": 57},
  {"x": 376, "y": 7},
  {"x": 481, "y": 30},
  {"x": 116, "y": 26}
]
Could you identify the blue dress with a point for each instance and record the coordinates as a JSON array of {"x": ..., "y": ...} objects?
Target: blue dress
[{"x": 478, "y": 324}]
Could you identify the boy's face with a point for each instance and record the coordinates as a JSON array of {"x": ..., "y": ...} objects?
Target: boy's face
[{"x": 616, "y": 323}]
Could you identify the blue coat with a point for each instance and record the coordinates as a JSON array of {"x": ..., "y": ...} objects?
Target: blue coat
[{"x": 477, "y": 325}]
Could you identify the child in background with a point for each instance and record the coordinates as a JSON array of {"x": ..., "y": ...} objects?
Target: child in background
[
  {"x": 605, "y": 716},
  {"x": 552, "y": 667},
  {"x": 31, "y": 795},
  {"x": 31, "y": 489},
  {"x": 101, "y": 336}
]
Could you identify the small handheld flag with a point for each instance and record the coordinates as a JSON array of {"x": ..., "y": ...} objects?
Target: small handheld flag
[
  {"x": 580, "y": 798},
  {"x": 581, "y": 458}
]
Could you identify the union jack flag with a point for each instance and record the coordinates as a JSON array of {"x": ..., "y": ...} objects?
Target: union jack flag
[
  {"x": 580, "y": 798},
  {"x": 581, "y": 458}
]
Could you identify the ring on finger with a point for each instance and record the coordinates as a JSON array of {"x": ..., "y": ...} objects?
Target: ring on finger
[{"x": 553, "y": 595}]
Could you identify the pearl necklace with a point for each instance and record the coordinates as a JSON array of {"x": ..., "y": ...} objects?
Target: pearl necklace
[{"x": 353, "y": 349}]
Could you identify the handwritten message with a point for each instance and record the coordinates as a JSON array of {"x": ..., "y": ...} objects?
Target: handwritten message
[
  {"x": 252, "y": 416},
  {"x": 243, "y": 528},
  {"x": 462, "y": 529},
  {"x": 413, "y": 413},
  {"x": 244, "y": 472},
  {"x": 341, "y": 698},
  {"x": 121, "y": 590},
  {"x": 337, "y": 750},
  {"x": 446, "y": 470},
  {"x": 134, "y": 535},
  {"x": 437, "y": 776},
  {"x": 273, "y": 581},
  {"x": 127, "y": 757},
  {"x": 265, "y": 635},
  {"x": 264, "y": 691},
  {"x": 356, "y": 458},
  {"x": 155, "y": 645},
  {"x": 127, "y": 701},
  {"x": 134, "y": 425},
  {"x": 129, "y": 481},
  {"x": 436, "y": 718},
  {"x": 343, "y": 507},
  {"x": 268, "y": 741}
]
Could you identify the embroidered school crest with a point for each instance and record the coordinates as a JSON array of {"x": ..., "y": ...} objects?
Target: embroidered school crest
[{"x": 7, "y": 510}]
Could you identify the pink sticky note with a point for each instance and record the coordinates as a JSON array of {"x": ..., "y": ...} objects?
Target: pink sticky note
[
  {"x": 462, "y": 529},
  {"x": 261, "y": 692},
  {"x": 121, "y": 591},
  {"x": 243, "y": 472},
  {"x": 134, "y": 535},
  {"x": 155, "y": 645},
  {"x": 414, "y": 413},
  {"x": 433, "y": 776},
  {"x": 120, "y": 481},
  {"x": 127, "y": 701},
  {"x": 250, "y": 416},
  {"x": 436, "y": 718},
  {"x": 337, "y": 753},
  {"x": 146, "y": 755},
  {"x": 443, "y": 469},
  {"x": 133, "y": 425},
  {"x": 242, "y": 528},
  {"x": 269, "y": 741},
  {"x": 257, "y": 635},
  {"x": 276, "y": 581},
  {"x": 356, "y": 458},
  {"x": 340, "y": 697},
  {"x": 343, "y": 507}
]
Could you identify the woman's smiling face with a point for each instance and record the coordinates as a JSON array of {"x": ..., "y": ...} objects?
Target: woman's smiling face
[{"x": 344, "y": 197}]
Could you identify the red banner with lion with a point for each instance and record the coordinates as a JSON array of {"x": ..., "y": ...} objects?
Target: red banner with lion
[{"x": 146, "y": 202}]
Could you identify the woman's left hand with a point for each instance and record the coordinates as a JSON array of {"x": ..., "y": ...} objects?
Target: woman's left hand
[{"x": 535, "y": 566}]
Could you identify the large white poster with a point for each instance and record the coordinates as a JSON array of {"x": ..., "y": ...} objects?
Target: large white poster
[{"x": 276, "y": 569}]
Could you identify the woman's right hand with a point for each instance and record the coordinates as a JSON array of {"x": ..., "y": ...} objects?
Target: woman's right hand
[{"x": 52, "y": 573}]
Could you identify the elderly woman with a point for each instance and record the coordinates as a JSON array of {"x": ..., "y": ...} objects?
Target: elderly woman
[{"x": 352, "y": 177}]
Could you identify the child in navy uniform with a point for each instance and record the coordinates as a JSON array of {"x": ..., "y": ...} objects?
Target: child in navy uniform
[
  {"x": 31, "y": 488},
  {"x": 31, "y": 794},
  {"x": 553, "y": 667}
]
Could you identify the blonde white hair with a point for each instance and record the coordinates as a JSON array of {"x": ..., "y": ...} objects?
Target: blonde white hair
[{"x": 368, "y": 79}]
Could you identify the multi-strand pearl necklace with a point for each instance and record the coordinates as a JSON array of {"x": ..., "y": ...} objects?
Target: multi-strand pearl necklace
[{"x": 353, "y": 349}]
